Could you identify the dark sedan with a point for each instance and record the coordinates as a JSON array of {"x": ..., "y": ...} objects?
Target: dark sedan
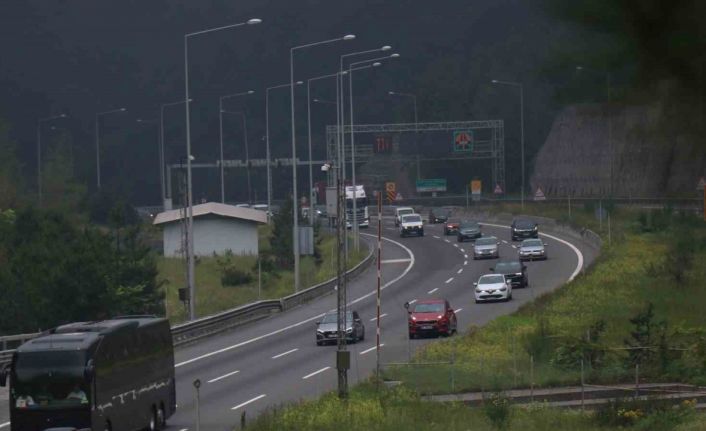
[
  {"x": 439, "y": 215},
  {"x": 469, "y": 230},
  {"x": 523, "y": 228},
  {"x": 514, "y": 271}
]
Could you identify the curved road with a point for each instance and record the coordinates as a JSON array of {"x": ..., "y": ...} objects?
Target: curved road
[{"x": 276, "y": 360}]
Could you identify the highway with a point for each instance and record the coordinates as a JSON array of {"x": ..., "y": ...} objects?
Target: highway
[{"x": 276, "y": 360}]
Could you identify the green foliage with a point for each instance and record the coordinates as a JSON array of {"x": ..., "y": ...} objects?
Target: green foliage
[
  {"x": 650, "y": 414},
  {"x": 232, "y": 274},
  {"x": 9, "y": 170},
  {"x": 281, "y": 239},
  {"x": 538, "y": 343},
  {"x": 572, "y": 350},
  {"x": 54, "y": 272},
  {"x": 497, "y": 409}
]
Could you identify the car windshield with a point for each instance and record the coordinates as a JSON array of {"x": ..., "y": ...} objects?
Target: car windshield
[
  {"x": 524, "y": 224},
  {"x": 532, "y": 243},
  {"x": 435, "y": 307},
  {"x": 50, "y": 380},
  {"x": 488, "y": 240},
  {"x": 491, "y": 279},
  {"x": 469, "y": 225},
  {"x": 405, "y": 211},
  {"x": 333, "y": 317},
  {"x": 411, "y": 218},
  {"x": 508, "y": 267},
  {"x": 441, "y": 212}
]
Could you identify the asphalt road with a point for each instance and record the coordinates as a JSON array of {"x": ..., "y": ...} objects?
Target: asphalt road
[{"x": 276, "y": 360}]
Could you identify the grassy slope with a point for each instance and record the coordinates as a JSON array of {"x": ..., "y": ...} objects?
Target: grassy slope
[{"x": 213, "y": 297}]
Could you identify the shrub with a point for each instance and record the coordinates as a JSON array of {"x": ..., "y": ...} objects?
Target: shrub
[
  {"x": 232, "y": 276},
  {"x": 497, "y": 410}
]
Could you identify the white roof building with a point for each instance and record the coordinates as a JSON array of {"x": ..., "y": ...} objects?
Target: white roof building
[{"x": 217, "y": 228}]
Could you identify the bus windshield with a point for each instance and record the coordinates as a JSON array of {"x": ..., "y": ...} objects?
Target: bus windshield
[{"x": 50, "y": 380}]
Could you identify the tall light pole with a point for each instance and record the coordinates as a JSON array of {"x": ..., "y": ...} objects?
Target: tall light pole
[
  {"x": 610, "y": 123},
  {"x": 295, "y": 226},
  {"x": 220, "y": 126},
  {"x": 159, "y": 141},
  {"x": 98, "y": 153},
  {"x": 267, "y": 139},
  {"x": 190, "y": 223},
  {"x": 39, "y": 152},
  {"x": 162, "y": 159},
  {"x": 245, "y": 140},
  {"x": 522, "y": 131},
  {"x": 416, "y": 123},
  {"x": 355, "y": 223}
]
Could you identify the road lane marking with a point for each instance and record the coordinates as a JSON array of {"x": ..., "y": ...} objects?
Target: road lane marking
[
  {"x": 458, "y": 310},
  {"x": 316, "y": 372},
  {"x": 514, "y": 246},
  {"x": 463, "y": 251},
  {"x": 224, "y": 376},
  {"x": 459, "y": 271},
  {"x": 437, "y": 237},
  {"x": 504, "y": 241},
  {"x": 456, "y": 245},
  {"x": 449, "y": 280},
  {"x": 285, "y": 353},
  {"x": 184, "y": 429},
  {"x": 447, "y": 241},
  {"x": 311, "y": 319},
  {"x": 248, "y": 402},
  {"x": 433, "y": 290},
  {"x": 395, "y": 261},
  {"x": 412, "y": 301},
  {"x": 381, "y": 316},
  {"x": 4, "y": 425},
  {"x": 465, "y": 262},
  {"x": 465, "y": 256},
  {"x": 371, "y": 349}
]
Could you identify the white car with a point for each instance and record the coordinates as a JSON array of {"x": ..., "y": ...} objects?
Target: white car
[
  {"x": 400, "y": 211},
  {"x": 493, "y": 287},
  {"x": 411, "y": 224}
]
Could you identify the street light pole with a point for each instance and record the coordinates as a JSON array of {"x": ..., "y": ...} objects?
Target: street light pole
[
  {"x": 220, "y": 126},
  {"x": 522, "y": 132},
  {"x": 245, "y": 140},
  {"x": 190, "y": 224},
  {"x": 98, "y": 155},
  {"x": 295, "y": 226},
  {"x": 162, "y": 158},
  {"x": 39, "y": 153}
]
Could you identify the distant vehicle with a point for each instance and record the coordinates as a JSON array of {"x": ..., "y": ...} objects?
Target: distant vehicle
[
  {"x": 531, "y": 249},
  {"x": 321, "y": 211},
  {"x": 492, "y": 287},
  {"x": 468, "y": 230},
  {"x": 327, "y": 328},
  {"x": 431, "y": 316},
  {"x": 242, "y": 205},
  {"x": 523, "y": 228},
  {"x": 486, "y": 247},
  {"x": 399, "y": 212},
  {"x": 411, "y": 224},
  {"x": 361, "y": 206},
  {"x": 260, "y": 207},
  {"x": 439, "y": 215},
  {"x": 111, "y": 375},
  {"x": 514, "y": 271},
  {"x": 451, "y": 227}
]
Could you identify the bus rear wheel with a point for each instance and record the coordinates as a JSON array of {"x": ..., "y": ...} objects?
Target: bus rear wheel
[
  {"x": 161, "y": 418},
  {"x": 153, "y": 420}
]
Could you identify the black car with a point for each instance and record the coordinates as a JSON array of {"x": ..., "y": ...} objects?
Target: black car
[
  {"x": 439, "y": 215},
  {"x": 514, "y": 271},
  {"x": 469, "y": 230},
  {"x": 523, "y": 228}
]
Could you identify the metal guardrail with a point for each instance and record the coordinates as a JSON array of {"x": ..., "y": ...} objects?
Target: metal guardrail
[{"x": 191, "y": 331}]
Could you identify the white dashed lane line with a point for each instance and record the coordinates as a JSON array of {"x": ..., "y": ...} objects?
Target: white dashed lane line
[
  {"x": 504, "y": 241},
  {"x": 449, "y": 280},
  {"x": 447, "y": 241},
  {"x": 456, "y": 245},
  {"x": 315, "y": 373},
  {"x": 514, "y": 246},
  {"x": 433, "y": 290},
  {"x": 459, "y": 271},
  {"x": 458, "y": 310},
  {"x": 370, "y": 349},
  {"x": 413, "y": 301},
  {"x": 465, "y": 256},
  {"x": 463, "y": 251},
  {"x": 437, "y": 237},
  {"x": 465, "y": 262},
  {"x": 248, "y": 402},
  {"x": 232, "y": 373},
  {"x": 285, "y": 353},
  {"x": 381, "y": 316}
]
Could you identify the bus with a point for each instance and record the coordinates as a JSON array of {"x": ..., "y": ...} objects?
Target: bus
[{"x": 111, "y": 375}]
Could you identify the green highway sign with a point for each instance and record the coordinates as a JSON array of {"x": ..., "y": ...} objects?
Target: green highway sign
[{"x": 433, "y": 185}]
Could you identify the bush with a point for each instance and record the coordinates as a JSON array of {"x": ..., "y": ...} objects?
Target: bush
[
  {"x": 232, "y": 276},
  {"x": 650, "y": 414},
  {"x": 497, "y": 410}
]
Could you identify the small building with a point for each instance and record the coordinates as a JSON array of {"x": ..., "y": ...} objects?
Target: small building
[{"x": 217, "y": 228}]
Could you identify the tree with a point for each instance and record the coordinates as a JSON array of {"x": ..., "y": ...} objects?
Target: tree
[
  {"x": 9, "y": 169},
  {"x": 281, "y": 240}
]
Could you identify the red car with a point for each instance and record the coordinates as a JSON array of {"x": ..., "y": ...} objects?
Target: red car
[
  {"x": 431, "y": 316},
  {"x": 451, "y": 227}
]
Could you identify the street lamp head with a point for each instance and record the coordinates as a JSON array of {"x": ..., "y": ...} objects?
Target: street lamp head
[
  {"x": 192, "y": 158},
  {"x": 326, "y": 167},
  {"x": 251, "y": 91},
  {"x": 376, "y": 64},
  {"x": 253, "y": 21},
  {"x": 395, "y": 55},
  {"x": 494, "y": 81},
  {"x": 122, "y": 109},
  {"x": 349, "y": 37},
  {"x": 386, "y": 48},
  {"x": 62, "y": 116},
  {"x": 391, "y": 93},
  {"x": 579, "y": 67},
  {"x": 345, "y": 72},
  {"x": 299, "y": 83}
]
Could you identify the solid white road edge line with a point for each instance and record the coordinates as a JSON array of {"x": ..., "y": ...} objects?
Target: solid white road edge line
[
  {"x": 4, "y": 425},
  {"x": 285, "y": 353},
  {"x": 381, "y": 316},
  {"x": 311, "y": 319},
  {"x": 371, "y": 349},
  {"x": 224, "y": 376},
  {"x": 316, "y": 372},
  {"x": 433, "y": 290},
  {"x": 248, "y": 402},
  {"x": 449, "y": 280},
  {"x": 578, "y": 253}
]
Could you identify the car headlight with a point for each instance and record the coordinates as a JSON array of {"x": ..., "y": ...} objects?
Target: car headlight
[
  {"x": 349, "y": 330},
  {"x": 414, "y": 318},
  {"x": 503, "y": 289},
  {"x": 478, "y": 291},
  {"x": 536, "y": 227},
  {"x": 518, "y": 274},
  {"x": 439, "y": 317}
]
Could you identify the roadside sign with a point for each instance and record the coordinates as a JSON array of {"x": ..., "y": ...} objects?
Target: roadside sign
[
  {"x": 498, "y": 190},
  {"x": 432, "y": 185},
  {"x": 702, "y": 184},
  {"x": 398, "y": 197},
  {"x": 476, "y": 187},
  {"x": 463, "y": 141},
  {"x": 539, "y": 195},
  {"x": 391, "y": 191}
]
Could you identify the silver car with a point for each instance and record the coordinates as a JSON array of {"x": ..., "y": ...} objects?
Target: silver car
[
  {"x": 327, "y": 328},
  {"x": 486, "y": 247},
  {"x": 532, "y": 249}
]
